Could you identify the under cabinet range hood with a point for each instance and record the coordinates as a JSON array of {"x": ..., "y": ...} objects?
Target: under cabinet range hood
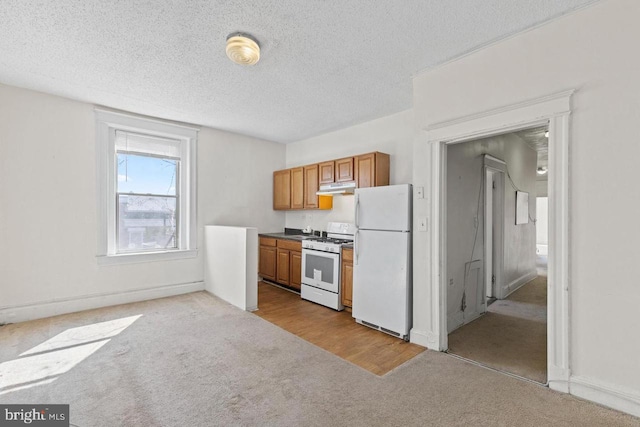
[{"x": 337, "y": 188}]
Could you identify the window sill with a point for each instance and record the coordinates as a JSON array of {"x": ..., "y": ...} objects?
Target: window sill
[{"x": 135, "y": 258}]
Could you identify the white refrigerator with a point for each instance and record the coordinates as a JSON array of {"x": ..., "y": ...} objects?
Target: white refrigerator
[{"x": 382, "y": 259}]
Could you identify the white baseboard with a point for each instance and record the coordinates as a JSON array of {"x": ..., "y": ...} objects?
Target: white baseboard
[
  {"x": 423, "y": 338},
  {"x": 519, "y": 282},
  {"x": 39, "y": 310},
  {"x": 613, "y": 397}
]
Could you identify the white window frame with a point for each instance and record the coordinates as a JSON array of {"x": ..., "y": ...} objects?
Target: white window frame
[{"x": 107, "y": 123}]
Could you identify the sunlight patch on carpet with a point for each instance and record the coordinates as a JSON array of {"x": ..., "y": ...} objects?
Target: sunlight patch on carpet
[{"x": 45, "y": 362}]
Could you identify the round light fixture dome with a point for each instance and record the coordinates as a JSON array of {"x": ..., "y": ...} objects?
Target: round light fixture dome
[{"x": 243, "y": 49}]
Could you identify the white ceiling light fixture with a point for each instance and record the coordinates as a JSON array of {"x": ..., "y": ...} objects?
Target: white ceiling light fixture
[
  {"x": 243, "y": 49},
  {"x": 542, "y": 170}
]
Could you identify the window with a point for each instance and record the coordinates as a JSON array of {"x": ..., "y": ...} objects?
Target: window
[{"x": 146, "y": 187}]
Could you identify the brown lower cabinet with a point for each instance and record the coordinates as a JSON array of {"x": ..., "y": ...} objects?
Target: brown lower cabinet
[
  {"x": 267, "y": 261},
  {"x": 346, "y": 277},
  {"x": 281, "y": 261},
  {"x": 295, "y": 267}
]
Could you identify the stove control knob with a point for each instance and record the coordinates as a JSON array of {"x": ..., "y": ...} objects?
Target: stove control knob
[
  {"x": 328, "y": 249},
  {"x": 310, "y": 246}
]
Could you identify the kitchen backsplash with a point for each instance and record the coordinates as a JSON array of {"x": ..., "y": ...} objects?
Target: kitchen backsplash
[{"x": 343, "y": 211}]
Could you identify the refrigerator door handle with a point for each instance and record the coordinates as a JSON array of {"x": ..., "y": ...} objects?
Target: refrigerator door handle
[
  {"x": 357, "y": 210},
  {"x": 355, "y": 247}
]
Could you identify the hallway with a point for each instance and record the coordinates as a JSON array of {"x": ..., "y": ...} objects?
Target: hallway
[{"x": 512, "y": 335}]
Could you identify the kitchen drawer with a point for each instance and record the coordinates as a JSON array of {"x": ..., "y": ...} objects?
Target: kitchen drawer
[
  {"x": 290, "y": 244},
  {"x": 267, "y": 241},
  {"x": 347, "y": 254},
  {"x": 320, "y": 296}
]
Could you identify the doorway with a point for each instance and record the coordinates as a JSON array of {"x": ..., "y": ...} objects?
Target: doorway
[
  {"x": 430, "y": 326},
  {"x": 498, "y": 318}
]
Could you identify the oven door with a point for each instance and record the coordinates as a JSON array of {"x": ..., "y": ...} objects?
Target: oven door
[{"x": 321, "y": 269}]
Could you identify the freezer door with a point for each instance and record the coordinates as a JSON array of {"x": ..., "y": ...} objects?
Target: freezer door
[
  {"x": 384, "y": 208},
  {"x": 381, "y": 281}
]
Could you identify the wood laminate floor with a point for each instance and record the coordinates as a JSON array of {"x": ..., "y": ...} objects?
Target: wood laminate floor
[{"x": 334, "y": 331}]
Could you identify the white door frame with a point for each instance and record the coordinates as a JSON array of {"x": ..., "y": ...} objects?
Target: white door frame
[
  {"x": 496, "y": 168},
  {"x": 553, "y": 110},
  {"x": 494, "y": 239}
]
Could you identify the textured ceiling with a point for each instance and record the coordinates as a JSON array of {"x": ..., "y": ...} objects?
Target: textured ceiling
[
  {"x": 536, "y": 138},
  {"x": 326, "y": 64}
]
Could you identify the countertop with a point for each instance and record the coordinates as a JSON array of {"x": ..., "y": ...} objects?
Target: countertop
[{"x": 296, "y": 237}]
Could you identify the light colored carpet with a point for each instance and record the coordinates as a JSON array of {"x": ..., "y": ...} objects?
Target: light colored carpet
[
  {"x": 193, "y": 360},
  {"x": 511, "y": 336}
]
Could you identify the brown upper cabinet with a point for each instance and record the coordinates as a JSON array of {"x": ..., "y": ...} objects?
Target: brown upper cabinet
[
  {"x": 282, "y": 189},
  {"x": 326, "y": 172},
  {"x": 297, "y": 188},
  {"x": 372, "y": 170},
  {"x": 310, "y": 186},
  {"x": 344, "y": 170}
]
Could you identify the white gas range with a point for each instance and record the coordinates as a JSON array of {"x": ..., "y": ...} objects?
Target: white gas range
[{"x": 321, "y": 265}]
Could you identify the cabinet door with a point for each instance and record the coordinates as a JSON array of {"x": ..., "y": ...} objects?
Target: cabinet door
[
  {"x": 267, "y": 264},
  {"x": 347, "y": 283},
  {"x": 372, "y": 170},
  {"x": 310, "y": 187},
  {"x": 365, "y": 170},
  {"x": 344, "y": 170},
  {"x": 326, "y": 172},
  {"x": 295, "y": 274},
  {"x": 283, "y": 266},
  {"x": 282, "y": 189},
  {"x": 297, "y": 188}
]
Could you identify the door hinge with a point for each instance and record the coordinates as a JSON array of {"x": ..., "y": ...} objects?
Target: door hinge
[
  {"x": 463, "y": 306},
  {"x": 493, "y": 279},
  {"x": 494, "y": 185}
]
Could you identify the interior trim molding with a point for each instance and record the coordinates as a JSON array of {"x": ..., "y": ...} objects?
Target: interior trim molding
[
  {"x": 39, "y": 310},
  {"x": 559, "y": 107},
  {"x": 613, "y": 397},
  {"x": 421, "y": 337},
  {"x": 553, "y": 110},
  {"x": 519, "y": 282}
]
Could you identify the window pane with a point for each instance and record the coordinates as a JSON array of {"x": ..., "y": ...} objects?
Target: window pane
[
  {"x": 146, "y": 175},
  {"x": 146, "y": 223}
]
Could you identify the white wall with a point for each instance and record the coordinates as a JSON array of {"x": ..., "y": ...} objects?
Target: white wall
[
  {"x": 48, "y": 229},
  {"x": 542, "y": 225},
  {"x": 542, "y": 187},
  {"x": 592, "y": 50},
  {"x": 391, "y": 134},
  {"x": 464, "y": 179}
]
